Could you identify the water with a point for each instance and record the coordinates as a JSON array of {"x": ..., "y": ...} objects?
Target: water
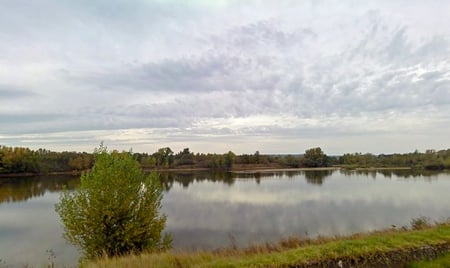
[
  {"x": 211, "y": 210},
  {"x": 29, "y": 227}
]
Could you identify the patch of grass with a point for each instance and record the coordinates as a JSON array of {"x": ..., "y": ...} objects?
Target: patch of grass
[
  {"x": 441, "y": 262},
  {"x": 292, "y": 252}
]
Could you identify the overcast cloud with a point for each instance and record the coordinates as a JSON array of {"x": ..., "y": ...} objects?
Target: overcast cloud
[{"x": 274, "y": 76}]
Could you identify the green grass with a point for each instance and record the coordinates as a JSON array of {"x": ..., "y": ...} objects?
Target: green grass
[
  {"x": 365, "y": 246},
  {"x": 441, "y": 262}
]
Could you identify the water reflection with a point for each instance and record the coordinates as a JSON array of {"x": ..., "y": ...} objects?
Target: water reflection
[
  {"x": 398, "y": 173},
  {"x": 18, "y": 189},
  {"x": 317, "y": 176},
  {"x": 187, "y": 178},
  {"x": 229, "y": 178}
]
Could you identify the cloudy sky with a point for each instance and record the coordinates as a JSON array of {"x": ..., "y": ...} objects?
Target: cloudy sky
[{"x": 274, "y": 76}]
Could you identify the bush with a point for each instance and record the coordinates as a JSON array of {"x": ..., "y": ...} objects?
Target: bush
[
  {"x": 420, "y": 223},
  {"x": 115, "y": 210}
]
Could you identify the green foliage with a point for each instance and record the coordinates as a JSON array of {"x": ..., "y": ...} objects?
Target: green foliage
[
  {"x": 315, "y": 157},
  {"x": 430, "y": 160},
  {"x": 115, "y": 210}
]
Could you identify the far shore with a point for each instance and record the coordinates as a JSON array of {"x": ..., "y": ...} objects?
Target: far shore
[
  {"x": 15, "y": 175},
  {"x": 260, "y": 170},
  {"x": 241, "y": 169}
]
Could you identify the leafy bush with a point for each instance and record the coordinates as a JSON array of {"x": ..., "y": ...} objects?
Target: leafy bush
[{"x": 115, "y": 210}]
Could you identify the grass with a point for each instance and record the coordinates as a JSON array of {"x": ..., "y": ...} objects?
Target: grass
[
  {"x": 296, "y": 252},
  {"x": 441, "y": 262}
]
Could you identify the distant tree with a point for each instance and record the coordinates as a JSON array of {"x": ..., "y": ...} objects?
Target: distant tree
[
  {"x": 115, "y": 210},
  {"x": 257, "y": 157},
  {"x": 164, "y": 157},
  {"x": 229, "y": 160},
  {"x": 315, "y": 157}
]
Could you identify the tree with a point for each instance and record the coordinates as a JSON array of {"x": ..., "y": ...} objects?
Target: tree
[
  {"x": 257, "y": 156},
  {"x": 115, "y": 210},
  {"x": 164, "y": 157},
  {"x": 229, "y": 160},
  {"x": 315, "y": 157}
]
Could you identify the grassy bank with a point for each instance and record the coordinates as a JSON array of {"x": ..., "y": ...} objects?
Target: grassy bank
[
  {"x": 390, "y": 248},
  {"x": 441, "y": 262}
]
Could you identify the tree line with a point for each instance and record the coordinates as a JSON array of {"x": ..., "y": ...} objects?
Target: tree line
[
  {"x": 24, "y": 160},
  {"x": 430, "y": 160},
  {"x": 42, "y": 161}
]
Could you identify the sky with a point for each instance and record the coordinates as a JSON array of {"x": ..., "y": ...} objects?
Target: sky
[{"x": 274, "y": 76}]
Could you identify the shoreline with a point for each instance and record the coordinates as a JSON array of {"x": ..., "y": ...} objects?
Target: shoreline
[
  {"x": 27, "y": 175},
  {"x": 238, "y": 170},
  {"x": 261, "y": 170}
]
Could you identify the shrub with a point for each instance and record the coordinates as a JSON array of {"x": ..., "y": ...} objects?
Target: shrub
[
  {"x": 420, "y": 223},
  {"x": 115, "y": 210}
]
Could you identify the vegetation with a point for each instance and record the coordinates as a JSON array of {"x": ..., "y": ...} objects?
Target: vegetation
[
  {"x": 431, "y": 160},
  {"x": 115, "y": 210},
  {"x": 315, "y": 157},
  {"x": 441, "y": 262},
  {"x": 381, "y": 249},
  {"x": 23, "y": 160}
]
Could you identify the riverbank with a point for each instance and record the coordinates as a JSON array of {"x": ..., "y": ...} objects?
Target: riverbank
[
  {"x": 24, "y": 175},
  {"x": 238, "y": 169},
  {"x": 389, "y": 248}
]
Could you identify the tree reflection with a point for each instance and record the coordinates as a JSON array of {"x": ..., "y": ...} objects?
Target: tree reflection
[
  {"x": 317, "y": 176},
  {"x": 24, "y": 188},
  {"x": 186, "y": 178},
  {"x": 398, "y": 173},
  {"x": 16, "y": 189}
]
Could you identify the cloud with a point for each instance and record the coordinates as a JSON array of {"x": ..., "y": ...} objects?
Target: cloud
[
  {"x": 11, "y": 92},
  {"x": 289, "y": 72}
]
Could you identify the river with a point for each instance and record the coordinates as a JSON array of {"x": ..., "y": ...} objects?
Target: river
[{"x": 210, "y": 210}]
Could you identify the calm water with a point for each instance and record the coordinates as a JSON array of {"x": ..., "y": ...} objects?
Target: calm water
[{"x": 210, "y": 210}]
